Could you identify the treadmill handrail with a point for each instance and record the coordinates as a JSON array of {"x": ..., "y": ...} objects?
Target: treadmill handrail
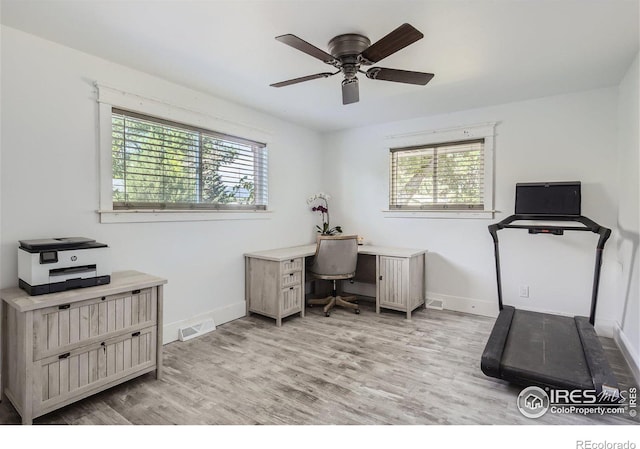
[{"x": 589, "y": 225}]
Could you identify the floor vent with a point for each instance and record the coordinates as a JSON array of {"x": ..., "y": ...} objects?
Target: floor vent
[
  {"x": 187, "y": 333},
  {"x": 437, "y": 304}
]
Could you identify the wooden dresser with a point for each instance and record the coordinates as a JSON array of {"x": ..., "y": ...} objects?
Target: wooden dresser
[{"x": 62, "y": 347}]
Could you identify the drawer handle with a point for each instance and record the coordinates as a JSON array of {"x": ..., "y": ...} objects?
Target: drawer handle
[
  {"x": 290, "y": 274},
  {"x": 290, "y": 288},
  {"x": 136, "y": 334},
  {"x": 135, "y": 292},
  {"x": 64, "y": 306},
  {"x": 103, "y": 298},
  {"x": 64, "y": 356},
  {"x": 291, "y": 261}
]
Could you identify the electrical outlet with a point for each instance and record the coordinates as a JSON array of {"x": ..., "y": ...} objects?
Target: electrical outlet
[{"x": 524, "y": 291}]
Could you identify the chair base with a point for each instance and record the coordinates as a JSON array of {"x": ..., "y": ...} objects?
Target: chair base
[{"x": 331, "y": 301}]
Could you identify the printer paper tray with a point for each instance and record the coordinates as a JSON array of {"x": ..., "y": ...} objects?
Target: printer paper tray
[
  {"x": 69, "y": 284},
  {"x": 65, "y": 274}
]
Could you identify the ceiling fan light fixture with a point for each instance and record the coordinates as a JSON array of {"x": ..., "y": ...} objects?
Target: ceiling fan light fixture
[{"x": 350, "y": 90}]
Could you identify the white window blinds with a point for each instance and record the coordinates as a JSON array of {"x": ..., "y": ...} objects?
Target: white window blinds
[
  {"x": 159, "y": 164},
  {"x": 442, "y": 176}
]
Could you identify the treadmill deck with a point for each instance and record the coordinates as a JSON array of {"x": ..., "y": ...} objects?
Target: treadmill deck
[{"x": 545, "y": 349}]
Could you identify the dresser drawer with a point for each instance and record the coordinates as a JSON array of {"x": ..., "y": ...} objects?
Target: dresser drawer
[
  {"x": 63, "y": 376},
  {"x": 291, "y": 279},
  {"x": 291, "y": 265},
  {"x": 63, "y": 328}
]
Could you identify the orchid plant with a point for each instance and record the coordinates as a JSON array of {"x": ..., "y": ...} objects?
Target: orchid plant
[{"x": 323, "y": 208}]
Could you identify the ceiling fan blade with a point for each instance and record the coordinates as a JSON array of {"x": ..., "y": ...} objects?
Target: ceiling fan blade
[
  {"x": 306, "y": 47},
  {"x": 399, "y": 76},
  {"x": 301, "y": 79},
  {"x": 350, "y": 91},
  {"x": 399, "y": 38}
]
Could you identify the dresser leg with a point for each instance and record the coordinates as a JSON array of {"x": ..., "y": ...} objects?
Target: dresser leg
[{"x": 27, "y": 421}]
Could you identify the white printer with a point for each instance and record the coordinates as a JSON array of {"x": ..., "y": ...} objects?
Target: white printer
[{"x": 58, "y": 264}]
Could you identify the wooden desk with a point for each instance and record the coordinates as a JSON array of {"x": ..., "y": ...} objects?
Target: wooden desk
[
  {"x": 274, "y": 279},
  {"x": 62, "y": 347}
]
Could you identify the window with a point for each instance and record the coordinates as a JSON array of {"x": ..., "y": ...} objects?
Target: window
[
  {"x": 159, "y": 164},
  {"x": 439, "y": 176}
]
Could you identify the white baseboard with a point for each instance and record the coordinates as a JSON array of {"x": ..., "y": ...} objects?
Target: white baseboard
[
  {"x": 219, "y": 316},
  {"x": 461, "y": 304},
  {"x": 605, "y": 328},
  {"x": 633, "y": 360}
]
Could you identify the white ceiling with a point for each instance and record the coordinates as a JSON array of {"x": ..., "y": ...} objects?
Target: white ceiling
[{"x": 482, "y": 52}]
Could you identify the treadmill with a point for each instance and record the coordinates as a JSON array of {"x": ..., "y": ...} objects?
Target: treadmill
[{"x": 543, "y": 349}]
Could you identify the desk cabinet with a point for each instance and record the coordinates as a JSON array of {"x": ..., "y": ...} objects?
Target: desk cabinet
[
  {"x": 275, "y": 288},
  {"x": 401, "y": 283},
  {"x": 62, "y": 347}
]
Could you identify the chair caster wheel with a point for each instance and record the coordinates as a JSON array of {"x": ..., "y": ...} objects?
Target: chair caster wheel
[
  {"x": 357, "y": 311},
  {"x": 327, "y": 314}
]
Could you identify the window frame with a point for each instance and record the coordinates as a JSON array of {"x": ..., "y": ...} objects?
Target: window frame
[
  {"x": 109, "y": 98},
  {"x": 485, "y": 131}
]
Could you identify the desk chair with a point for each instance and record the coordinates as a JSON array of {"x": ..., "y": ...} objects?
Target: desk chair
[{"x": 335, "y": 259}]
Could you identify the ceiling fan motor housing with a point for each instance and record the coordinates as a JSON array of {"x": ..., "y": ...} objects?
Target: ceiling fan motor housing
[
  {"x": 348, "y": 45},
  {"x": 346, "y": 48}
]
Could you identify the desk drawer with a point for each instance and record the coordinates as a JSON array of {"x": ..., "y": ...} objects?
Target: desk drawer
[
  {"x": 62, "y": 328},
  {"x": 291, "y": 279},
  {"x": 291, "y": 300},
  {"x": 291, "y": 265}
]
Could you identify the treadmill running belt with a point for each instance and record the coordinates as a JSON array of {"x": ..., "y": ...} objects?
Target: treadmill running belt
[{"x": 546, "y": 350}]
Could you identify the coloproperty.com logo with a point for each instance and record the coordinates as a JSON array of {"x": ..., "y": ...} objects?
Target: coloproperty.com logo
[{"x": 534, "y": 402}]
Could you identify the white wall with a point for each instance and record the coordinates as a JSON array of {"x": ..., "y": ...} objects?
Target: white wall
[
  {"x": 628, "y": 236},
  {"x": 561, "y": 138},
  {"x": 49, "y": 183}
]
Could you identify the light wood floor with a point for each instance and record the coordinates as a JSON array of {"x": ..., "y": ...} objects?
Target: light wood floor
[{"x": 345, "y": 369}]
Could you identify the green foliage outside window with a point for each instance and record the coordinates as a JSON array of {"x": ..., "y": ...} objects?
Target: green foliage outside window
[
  {"x": 162, "y": 165},
  {"x": 438, "y": 177}
]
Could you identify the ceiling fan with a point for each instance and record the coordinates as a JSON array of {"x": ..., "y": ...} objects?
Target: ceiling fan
[{"x": 348, "y": 52}]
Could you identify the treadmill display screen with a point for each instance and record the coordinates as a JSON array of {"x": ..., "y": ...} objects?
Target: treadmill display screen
[{"x": 550, "y": 198}]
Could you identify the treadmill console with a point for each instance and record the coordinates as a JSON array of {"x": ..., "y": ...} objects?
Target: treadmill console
[
  {"x": 553, "y": 231},
  {"x": 548, "y": 198}
]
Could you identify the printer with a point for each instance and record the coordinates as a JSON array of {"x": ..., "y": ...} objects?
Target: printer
[{"x": 58, "y": 264}]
